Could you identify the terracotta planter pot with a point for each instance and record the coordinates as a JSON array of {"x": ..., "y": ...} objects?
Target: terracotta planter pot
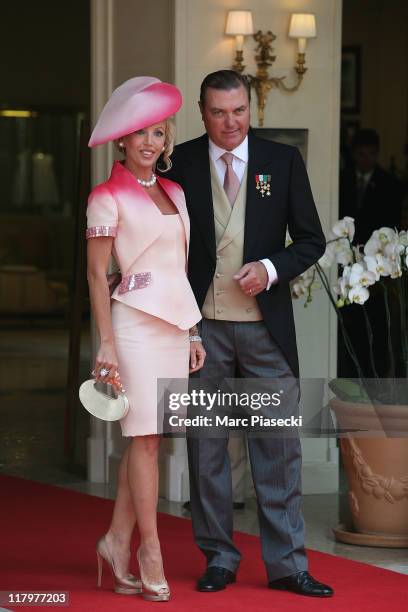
[{"x": 376, "y": 464}]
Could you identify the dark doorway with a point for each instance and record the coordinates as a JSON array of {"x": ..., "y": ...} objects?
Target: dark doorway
[{"x": 44, "y": 99}]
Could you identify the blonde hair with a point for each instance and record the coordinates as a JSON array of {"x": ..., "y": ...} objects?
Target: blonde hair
[{"x": 169, "y": 138}]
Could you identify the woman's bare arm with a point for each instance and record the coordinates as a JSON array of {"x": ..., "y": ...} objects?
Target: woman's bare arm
[{"x": 99, "y": 251}]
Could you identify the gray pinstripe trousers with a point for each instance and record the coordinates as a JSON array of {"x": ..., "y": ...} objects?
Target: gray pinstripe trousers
[{"x": 247, "y": 347}]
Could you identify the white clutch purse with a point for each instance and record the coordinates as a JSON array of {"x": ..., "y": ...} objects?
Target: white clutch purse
[{"x": 103, "y": 401}]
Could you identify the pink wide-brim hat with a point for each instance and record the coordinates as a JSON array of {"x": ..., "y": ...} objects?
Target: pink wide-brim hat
[{"x": 136, "y": 104}]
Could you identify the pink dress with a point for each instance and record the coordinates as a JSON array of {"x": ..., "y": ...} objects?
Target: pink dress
[{"x": 154, "y": 307}]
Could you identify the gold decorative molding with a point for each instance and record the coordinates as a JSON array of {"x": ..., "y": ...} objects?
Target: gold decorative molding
[
  {"x": 262, "y": 82},
  {"x": 239, "y": 24}
]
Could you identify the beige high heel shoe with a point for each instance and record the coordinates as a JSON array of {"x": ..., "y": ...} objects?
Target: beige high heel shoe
[
  {"x": 129, "y": 585},
  {"x": 153, "y": 591}
]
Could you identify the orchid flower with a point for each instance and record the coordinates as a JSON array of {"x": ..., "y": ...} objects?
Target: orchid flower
[
  {"x": 344, "y": 228},
  {"x": 378, "y": 264},
  {"x": 358, "y": 294},
  {"x": 359, "y": 275}
]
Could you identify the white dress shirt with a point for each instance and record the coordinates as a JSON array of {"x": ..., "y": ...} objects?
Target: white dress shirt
[
  {"x": 239, "y": 164},
  {"x": 365, "y": 176}
]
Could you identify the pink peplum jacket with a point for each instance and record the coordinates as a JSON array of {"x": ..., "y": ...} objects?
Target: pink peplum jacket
[{"x": 153, "y": 280}]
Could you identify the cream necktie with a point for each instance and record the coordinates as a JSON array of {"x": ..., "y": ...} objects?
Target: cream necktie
[{"x": 231, "y": 181}]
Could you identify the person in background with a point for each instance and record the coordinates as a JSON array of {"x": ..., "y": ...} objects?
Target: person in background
[
  {"x": 368, "y": 193},
  {"x": 373, "y": 198}
]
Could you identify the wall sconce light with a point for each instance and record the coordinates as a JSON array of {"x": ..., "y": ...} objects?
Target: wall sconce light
[
  {"x": 302, "y": 26},
  {"x": 239, "y": 24}
]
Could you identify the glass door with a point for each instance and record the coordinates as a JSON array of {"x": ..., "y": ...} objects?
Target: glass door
[{"x": 43, "y": 432}]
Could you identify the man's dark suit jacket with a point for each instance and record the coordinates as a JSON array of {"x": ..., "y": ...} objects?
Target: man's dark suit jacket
[
  {"x": 289, "y": 205},
  {"x": 381, "y": 204}
]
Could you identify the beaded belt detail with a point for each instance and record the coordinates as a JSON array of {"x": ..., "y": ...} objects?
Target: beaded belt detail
[{"x": 134, "y": 281}]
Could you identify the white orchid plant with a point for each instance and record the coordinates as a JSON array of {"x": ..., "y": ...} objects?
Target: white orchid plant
[{"x": 385, "y": 255}]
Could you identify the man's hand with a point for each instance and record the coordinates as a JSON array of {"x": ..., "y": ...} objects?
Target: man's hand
[
  {"x": 252, "y": 278},
  {"x": 197, "y": 356}
]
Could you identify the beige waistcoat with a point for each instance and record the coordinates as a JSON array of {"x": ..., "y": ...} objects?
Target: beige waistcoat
[{"x": 224, "y": 299}]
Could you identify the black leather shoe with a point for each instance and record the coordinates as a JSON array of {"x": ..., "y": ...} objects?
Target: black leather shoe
[
  {"x": 215, "y": 579},
  {"x": 303, "y": 584}
]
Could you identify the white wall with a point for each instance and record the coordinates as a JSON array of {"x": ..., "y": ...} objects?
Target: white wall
[
  {"x": 143, "y": 39},
  {"x": 202, "y": 47}
]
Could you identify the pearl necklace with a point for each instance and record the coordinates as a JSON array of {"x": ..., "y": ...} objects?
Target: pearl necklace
[{"x": 148, "y": 183}]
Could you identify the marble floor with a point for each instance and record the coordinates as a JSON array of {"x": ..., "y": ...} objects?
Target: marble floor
[{"x": 36, "y": 423}]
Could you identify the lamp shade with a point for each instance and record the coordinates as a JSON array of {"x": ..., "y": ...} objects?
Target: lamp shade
[
  {"x": 302, "y": 25},
  {"x": 239, "y": 23}
]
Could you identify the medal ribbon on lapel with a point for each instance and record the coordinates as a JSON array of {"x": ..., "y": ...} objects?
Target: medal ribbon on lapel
[{"x": 263, "y": 184}]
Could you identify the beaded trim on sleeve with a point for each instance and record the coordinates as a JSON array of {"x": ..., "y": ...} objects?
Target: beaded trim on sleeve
[{"x": 101, "y": 230}]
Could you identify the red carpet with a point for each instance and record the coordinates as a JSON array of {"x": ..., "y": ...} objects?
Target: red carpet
[{"x": 47, "y": 543}]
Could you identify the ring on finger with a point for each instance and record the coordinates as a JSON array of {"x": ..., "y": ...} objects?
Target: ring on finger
[{"x": 104, "y": 372}]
